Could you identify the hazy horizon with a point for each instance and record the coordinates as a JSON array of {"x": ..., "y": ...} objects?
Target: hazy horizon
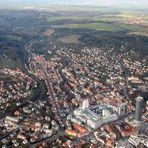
[{"x": 5, "y": 3}]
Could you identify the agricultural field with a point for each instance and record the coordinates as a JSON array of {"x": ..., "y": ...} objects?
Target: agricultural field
[{"x": 132, "y": 23}]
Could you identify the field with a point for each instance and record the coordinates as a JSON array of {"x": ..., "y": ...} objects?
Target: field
[
  {"x": 48, "y": 32},
  {"x": 69, "y": 39},
  {"x": 108, "y": 22}
]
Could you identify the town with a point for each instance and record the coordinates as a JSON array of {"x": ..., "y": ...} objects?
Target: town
[{"x": 94, "y": 99}]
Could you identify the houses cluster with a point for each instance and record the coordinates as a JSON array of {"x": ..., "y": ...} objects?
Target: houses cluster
[
  {"x": 28, "y": 126},
  {"x": 15, "y": 86}
]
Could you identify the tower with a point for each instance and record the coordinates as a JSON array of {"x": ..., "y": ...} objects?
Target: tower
[
  {"x": 85, "y": 104},
  {"x": 139, "y": 108},
  {"x": 122, "y": 109}
]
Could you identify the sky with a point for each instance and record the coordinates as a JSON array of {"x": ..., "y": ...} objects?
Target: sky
[
  {"x": 100, "y": 2},
  {"x": 77, "y": 2}
]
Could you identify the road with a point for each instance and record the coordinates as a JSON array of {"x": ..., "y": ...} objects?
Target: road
[
  {"x": 50, "y": 91},
  {"x": 126, "y": 79},
  {"x": 29, "y": 50}
]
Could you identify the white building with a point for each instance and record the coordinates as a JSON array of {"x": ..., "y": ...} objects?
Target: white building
[
  {"x": 11, "y": 119},
  {"x": 93, "y": 117},
  {"x": 108, "y": 117},
  {"x": 85, "y": 104}
]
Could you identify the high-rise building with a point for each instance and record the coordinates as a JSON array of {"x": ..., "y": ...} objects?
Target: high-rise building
[{"x": 139, "y": 108}]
